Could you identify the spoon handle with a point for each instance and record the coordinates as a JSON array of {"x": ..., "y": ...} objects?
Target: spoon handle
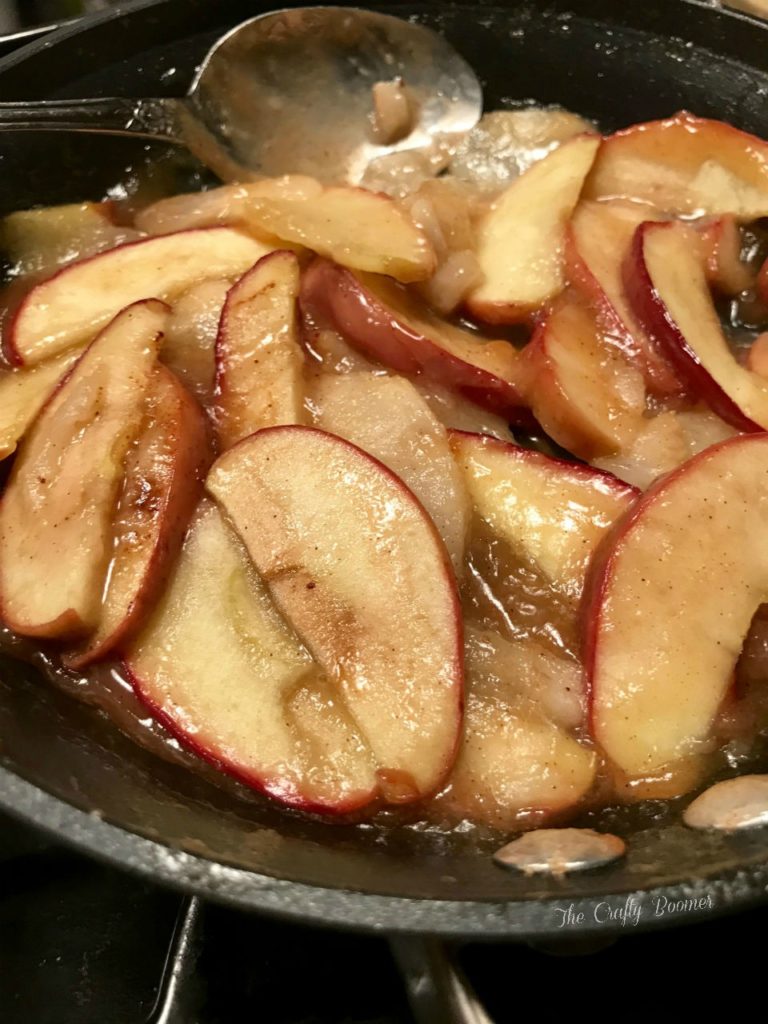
[{"x": 149, "y": 119}]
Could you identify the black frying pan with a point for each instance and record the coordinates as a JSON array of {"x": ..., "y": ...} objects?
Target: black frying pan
[{"x": 618, "y": 61}]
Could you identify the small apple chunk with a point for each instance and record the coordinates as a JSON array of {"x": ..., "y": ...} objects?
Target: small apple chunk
[
  {"x": 669, "y": 603},
  {"x": 259, "y": 360},
  {"x": 23, "y": 393},
  {"x": 583, "y": 392},
  {"x": 385, "y": 322},
  {"x": 551, "y": 512},
  {"x": 357, "y": 568},
  {"x": 389, "y": 419},
  {"x": 685, "y": 165},
  {"x": 522, "y": 238},
  {"x": 162, "y": 484},
  {"x": 667, "y": 287},
  {"x": 56, "y": 513},
  {"x": 67, "y": 310},
  {"x": 356, "y": 228}
]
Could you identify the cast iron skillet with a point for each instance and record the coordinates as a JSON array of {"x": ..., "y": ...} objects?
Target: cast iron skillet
[{"x": 68, "y": 769}]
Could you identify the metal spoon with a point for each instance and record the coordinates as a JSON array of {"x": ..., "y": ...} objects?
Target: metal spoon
[{"x": 289, "y": 92}]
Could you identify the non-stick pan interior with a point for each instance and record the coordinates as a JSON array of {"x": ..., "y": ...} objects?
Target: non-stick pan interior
[{"x": 615, "y": 62}]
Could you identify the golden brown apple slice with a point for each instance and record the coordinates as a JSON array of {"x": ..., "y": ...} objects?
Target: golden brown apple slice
[
  {"x": 598, "y": 240},
  {"x": 522, "y": 238},
  {"x": 552, "y": 513},
  {"x": 190, "y": 337},
  {"x": 23, "y": 393},
  {"x": 666, "y": 284},
  {"x": 684, "y": 165},
  {"x": 259, "y": 360},
  {"x": 356, "y": 566},
  {"x": 583, "y": 392},
  {"x": 387, "y": 324},
  {"x": 388, "y": 418},
  {"x": 56, "y": 513},
  {"x": 162, "y": 484},
  {"x": 67, "y": 309},
  {"x": 356, "y": 228},
  {"x": 669, "y": 606}
]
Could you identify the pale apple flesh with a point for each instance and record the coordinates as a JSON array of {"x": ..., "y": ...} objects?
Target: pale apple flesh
[
  {"x": 189, "y": 344},
  {"x": 522, "y": 238},
  {"x": 68, "y": 309},
  {"x": 353, "y": 562},
  {"x": 259, "y": 360},
  {"x": 23, "y": 393},
  {"x": 162, "y": 484},
  {"x": 688, "y": 597},
  {"x": 667, "y": 286},
  {"x": 56, "y": 513}
]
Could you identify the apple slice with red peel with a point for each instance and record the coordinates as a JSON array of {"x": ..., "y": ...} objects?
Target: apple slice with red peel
[
  {"x": 668, "y": 606},
  {"x": 356, "y": 228},
  {"x": 757, "y": 357},
  {"x": 387, "y": 324},
  {"x": 389, "y": 419},
  {"x": 583, "y": 392},
  {"x": 56, "y": 513},
  {"x": 190, "y": 338},
  {"x": 521, "y": 239},
  {"x": 23, "y": 393},
  {"x": 667, "y": 287},
  {"x": 259, "y": 360},
  {"x": 162, "y": 484},
  {"x": 356, "y": 566},
  {"x": 67, "y": 310},
  {"x": 720, "y": 243},
  {"x": 552, "y": 512},
  {"x": 684, "y": 165}
]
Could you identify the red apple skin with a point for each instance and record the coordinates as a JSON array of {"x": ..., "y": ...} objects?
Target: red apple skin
[
  {"x": 181, "y": 485},
  {"x": 650, "y": 309},
  {"x": 332, "y": 294}
]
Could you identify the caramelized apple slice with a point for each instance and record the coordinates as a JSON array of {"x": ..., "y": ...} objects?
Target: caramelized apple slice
[
  {"x": 521, "y": 239},
  {"x": 382, "y": 320},
  {"x": 685, "y": 165},
  {"x": 356, "y": 566},
  {"x": 69, "y": 308},
  {"x": 163, "y": 478},
  {"x": 666, "y": 284},
  {"x": 720, "y": 243},
  {"x": 583, "y": 392},
  {"x": 356, "y": 228},
  {"x": 23, "y": 393},
  {"x": 56, "y": 514},
  {"x": 224, "y": 672},
  {"x": 552, "y": 513},
  {"x": 388, "y": 418},
  {"x": 670, "y": 605},
  {"x": 190, "y": 337},
  {"x": 259, "y": 361}
]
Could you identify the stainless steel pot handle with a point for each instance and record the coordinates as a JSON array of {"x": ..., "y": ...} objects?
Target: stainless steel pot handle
[{"x": 438, "y": 990}]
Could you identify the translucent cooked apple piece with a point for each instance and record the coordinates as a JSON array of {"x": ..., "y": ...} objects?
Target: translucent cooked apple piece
[
  {"x": 220, "y": 667},
  {"x": 162, "y": 483},
  {"x": 387, "y": 417},
  {"x": 56, "y": 513},
  {"x": 23, "y": 393},
  {"x": 190, "y": 337},
  {"x": 356, "y": 566},
  {"x": 259, "y": 360}
]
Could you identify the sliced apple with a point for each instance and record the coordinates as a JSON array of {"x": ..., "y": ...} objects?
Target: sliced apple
[
  {"x": 725, "y": 270},
  {"x": 684, "y": 165},
  {"x": 67, "y": 309},
  {"x": 757, "y": 357},
  {"x": 583, "y": 392},
  {"x": 259, "y": 360},
  {"x": 56, "y": 513},
  {"x": 190, "y": 338},
  {"x": 522, "y": 238},
  {"x": 549, "y": 511},
  {"x": 162, "y": 484},
  {"x": 387, "y": 324},
  {"x": 388, "y": 418},
  {"x": 356, "y": 228},
  {"x": 667, "y": 287},
  {"x": 356, "y": 566},
  {"x": 684, "y": 596},
  {"x": 23, "y": 393}
]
